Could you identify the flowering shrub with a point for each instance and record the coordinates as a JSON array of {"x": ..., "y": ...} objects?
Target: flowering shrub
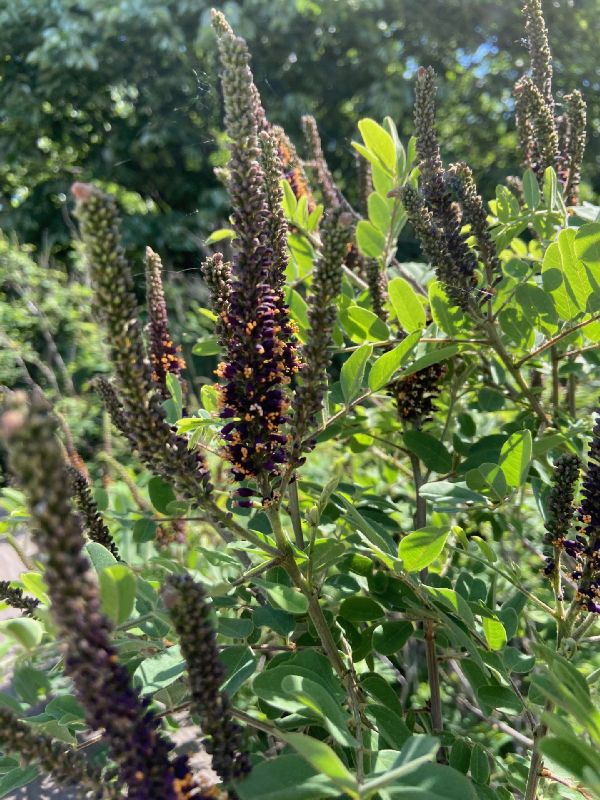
[{"x": 367, "y": 563}]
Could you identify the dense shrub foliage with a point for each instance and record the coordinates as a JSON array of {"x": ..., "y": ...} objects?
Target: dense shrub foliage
[{"x": 355, "y": 552}]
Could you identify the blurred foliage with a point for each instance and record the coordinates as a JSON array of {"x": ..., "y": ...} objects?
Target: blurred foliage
[{"x": 125, "y": 93}]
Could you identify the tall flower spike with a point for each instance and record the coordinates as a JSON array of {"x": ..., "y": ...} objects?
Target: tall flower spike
[
  {"x": 16, "y": 599},
  {"x": 576, "y": 117},
  {"x": 86, "y": 505},
  {"x": 101, "y": 683},
  {"x": 456, "y": 263},
  {"x": 165, "y": 357},
  {"x": 142, "y": 415},
  {"x": 185, "y": 600},
  {"x": 588, "y": 551},
  {"x": 560, "y": 506},
  {"x": 67, "y": 767},
  {"x": 539, "y": 50},
  {"x": 261, "y": 350},
  {"x": 327, "y": 278}
]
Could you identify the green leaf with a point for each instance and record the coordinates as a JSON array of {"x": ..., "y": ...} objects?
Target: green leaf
[
  {"x": 433, "y": 782},
  {"x": 240, "y": 663},
  {"x": 379, "y": 212},
  {"x": 284, "y": 597},
  {"x": 158, "y": 671},
  {"x": 176, "y": 393},
  {"x": 515, "y": 458},
  {"x": 234, "y": 628},
  {"x": 389, "y": 637},
  {"x": 379, "y": 142},
  {"x": 432, "y": 357},
  {"x": 370, "y": 240},
  {"x": 220, "y": 235},
  {"x": 446, "y": 316},
  {"x": 100, "y": 556},
  {"x": 430, "y": 450},
  {"x": 323, "y": 759},
  {"x": 494, "y": 632},
  {"x": 353, "y": 371},
  {"x": 565, "y": 277},
  {"x": 16, "y": 778},
  {"x": 34, "y": 583},
  {"x": 207, "y": 346},
  {"x": 117, "y": 592},
  {"x": 287, "y": 777},
  {"x": 319, "y": 702},
  {"x": 360, "y": 609},
  {"x": 389, "y": 363},
  {"x": 531, "y": 190},
  {"x": 23, "y": 630},
  {"x": 390, "y": 726},
  {"x": 210, "y": 398},
  {"x": 407, "y": 306},
  {"x": 160, "y": 493},
  {"x": 144, "y": 530},
  {"x": 500, "y": 697},
  {"x": 480, "y": 765},
  {"x": 420, "y": 548}
]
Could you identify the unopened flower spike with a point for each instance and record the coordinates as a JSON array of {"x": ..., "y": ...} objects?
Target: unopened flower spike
[
  {"x": 458, "y": 278},
  {"x": 327, "y": 277},
  {"x": 101, "y": 683},
  {"x": 434, "y": 214},
  {"x": 586, "y": 549},
  {"x": 575, "y": 119},
  {"x": 542, "y": 125},
  {"x": 261, "y": 349},
  {"x": 86, "y": 505},
  {"x": 67, "y": 767},
  {"x": 561, "y": 510},
  {"x": 217, "y": 276},
  {"x": 165, "y": 356},
  {"x": 539, "y": 51},
  {"x": 16, "y": 599},
  {"x": 141, "y": 416},
  {"x": 186, "y": 602},
  {"x": 461, "y": 178},
  {"x": 292, "y": 166},
  {"x": 332, "y": 196}
]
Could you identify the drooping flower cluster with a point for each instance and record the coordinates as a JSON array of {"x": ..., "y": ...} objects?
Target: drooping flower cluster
[
  {"x": 292, "y": 167},
  {"x": 327, "y": 277},
  {"x": 261, "y": 347},
  {"x": 16, "y": 599},
  {"x": 415, "y": 395},
  {"x": 86, "y": 505},
  {"x": 165, "y": 357},
  {"x": 101, "y": 682},
  {"x": 68, "y": 767},
  {"x": 560, "y": 507},
  {"x": 548, "y": 140},
  {"x": 137, "y": 407},
  {"x": 187, "y": 604},
  {"x": 586, "y": 548}
]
